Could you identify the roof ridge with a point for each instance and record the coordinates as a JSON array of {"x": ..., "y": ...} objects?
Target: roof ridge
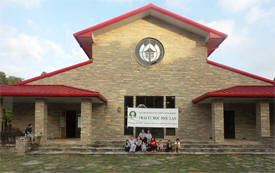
[{"x": 54, "y": 72}]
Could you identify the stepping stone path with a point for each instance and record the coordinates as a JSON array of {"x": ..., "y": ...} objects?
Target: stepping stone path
[{"x": 32, "y": 162}]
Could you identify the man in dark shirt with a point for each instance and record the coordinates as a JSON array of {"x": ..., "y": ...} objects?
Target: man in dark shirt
[{"x": 28, "y": 132}]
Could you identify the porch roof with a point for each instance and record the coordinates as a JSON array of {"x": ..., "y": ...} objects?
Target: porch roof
[
  {"x": 48, "y": 91},
  {"x": 251, "y": 91}
]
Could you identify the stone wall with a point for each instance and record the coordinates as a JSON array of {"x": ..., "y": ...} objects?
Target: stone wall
[
  {"x": 183, "y": 73},
  {"x": 24, "y": 114}
]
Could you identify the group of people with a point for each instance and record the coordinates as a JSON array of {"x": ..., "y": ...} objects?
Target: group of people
[{"x": 145, "y": 142}]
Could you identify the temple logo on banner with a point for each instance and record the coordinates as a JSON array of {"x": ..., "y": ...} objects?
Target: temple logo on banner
[{"x": 153, "y": 117}]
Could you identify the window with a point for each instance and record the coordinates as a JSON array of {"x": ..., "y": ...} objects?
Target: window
[
  {"x": 151, "y": 102},
  {"x": 128, "y": 102},
  {"x": 170, "y": 103}
]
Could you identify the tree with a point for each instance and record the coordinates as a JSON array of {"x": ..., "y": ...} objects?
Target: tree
[
  {"x": 43, "y": 73},
  {"x": 4, "y": 80}
]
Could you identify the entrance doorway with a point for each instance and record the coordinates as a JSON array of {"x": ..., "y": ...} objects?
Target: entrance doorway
[
  {"x": 150, "y": 102},
  {"x": 69, "y": 125},
  {"x": 229, "y": 124}
]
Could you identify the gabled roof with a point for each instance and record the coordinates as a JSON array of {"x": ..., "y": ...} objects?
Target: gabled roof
[
  {"x": 240, "y": 91},
  {"x": 212, "y": 37},
  {"x": 48, "y": 91}
]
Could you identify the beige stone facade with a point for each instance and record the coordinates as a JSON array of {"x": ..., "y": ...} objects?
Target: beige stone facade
[{"x": 183, "y": 73}]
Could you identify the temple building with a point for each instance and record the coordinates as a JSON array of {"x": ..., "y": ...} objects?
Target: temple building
[{"x": 150, "y": 58}]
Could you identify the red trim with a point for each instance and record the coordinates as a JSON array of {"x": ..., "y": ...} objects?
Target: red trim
[
  {"x": 87, "y": 33},
  {"x": 47, "y": 91},
  {"x": 240, "y": 91},
  {"x": 54, "y": 72},
  {"x": 241, "y": 72}
]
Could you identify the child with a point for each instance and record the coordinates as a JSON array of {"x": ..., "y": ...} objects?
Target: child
[
  {"x": 143, "y": 147},
  {"x": 153, "y": 144},
  {"x": 169, "y": 146},
  {"x": 138, "y": 143},
  {"x": 160, "y": 146},
  {"x": 177, "y": 145},
  {"x": 127, "y": 146}
]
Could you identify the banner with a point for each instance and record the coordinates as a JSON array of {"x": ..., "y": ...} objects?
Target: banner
[{"x": 152, "y": 117}]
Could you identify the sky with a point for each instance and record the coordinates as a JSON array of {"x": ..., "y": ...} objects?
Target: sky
[{"x": 37, "y": 35}]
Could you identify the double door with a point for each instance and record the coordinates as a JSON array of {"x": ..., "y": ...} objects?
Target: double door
[{"x": 69, "y": 124}]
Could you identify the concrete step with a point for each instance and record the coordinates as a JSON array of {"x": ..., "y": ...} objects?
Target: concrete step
[{"x": 148, "y": 153}]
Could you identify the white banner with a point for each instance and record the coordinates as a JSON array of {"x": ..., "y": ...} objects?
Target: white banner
[{"x": 152, "y": 117}]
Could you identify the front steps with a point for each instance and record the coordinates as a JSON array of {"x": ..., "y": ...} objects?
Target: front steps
[{"x": 192, "y": 148}]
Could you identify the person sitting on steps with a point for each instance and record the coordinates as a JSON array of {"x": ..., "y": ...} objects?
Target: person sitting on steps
[
  {"x": 126, "y": 146},
  {"x": 28, "y": 133},
  {"x": 177, "y": 145},
  {"x": 169, "y": 146}
]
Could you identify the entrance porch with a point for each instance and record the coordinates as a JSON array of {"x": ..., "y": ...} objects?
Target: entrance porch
[
  {"x": 242, "y": 113},
  {"x": 56, "y": 112}
]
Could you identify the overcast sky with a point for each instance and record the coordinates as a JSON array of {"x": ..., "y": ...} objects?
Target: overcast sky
[{"x": 36, "y": 35}]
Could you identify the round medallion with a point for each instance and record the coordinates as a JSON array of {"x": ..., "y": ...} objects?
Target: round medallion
[{"x": 149, "y": 51}]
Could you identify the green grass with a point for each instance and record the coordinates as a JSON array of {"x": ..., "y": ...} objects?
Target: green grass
[{"x": 135, "y": 163}]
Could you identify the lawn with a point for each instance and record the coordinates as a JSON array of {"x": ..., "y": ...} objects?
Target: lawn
[{"x": 134, "y": 163}]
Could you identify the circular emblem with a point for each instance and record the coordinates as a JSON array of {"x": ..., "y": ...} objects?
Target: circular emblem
[
  {"x": 132, "y": 114},
  {"x": 149, "y": 51}
]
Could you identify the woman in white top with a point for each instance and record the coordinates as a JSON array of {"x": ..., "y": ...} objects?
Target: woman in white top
[
  {"x": 148, "y": 136},
  {"x": 142, "y": 135}
]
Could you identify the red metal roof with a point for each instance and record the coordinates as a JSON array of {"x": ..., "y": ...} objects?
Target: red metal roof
[
  {"x": 240, "y": 91},
  {"x": 84, "y": 37},
  {"x": 48, "y": 91}
]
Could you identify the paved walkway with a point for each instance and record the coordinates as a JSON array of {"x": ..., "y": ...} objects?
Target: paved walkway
[{"x": 135, "y": 163}]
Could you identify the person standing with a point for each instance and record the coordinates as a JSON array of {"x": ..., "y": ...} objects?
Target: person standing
[
  {"x": 148, "y": 136},
  {"x": 142, "y": 136}
]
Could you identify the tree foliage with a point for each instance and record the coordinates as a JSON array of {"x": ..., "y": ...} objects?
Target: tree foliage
[{"x": 4, "y": 80}]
